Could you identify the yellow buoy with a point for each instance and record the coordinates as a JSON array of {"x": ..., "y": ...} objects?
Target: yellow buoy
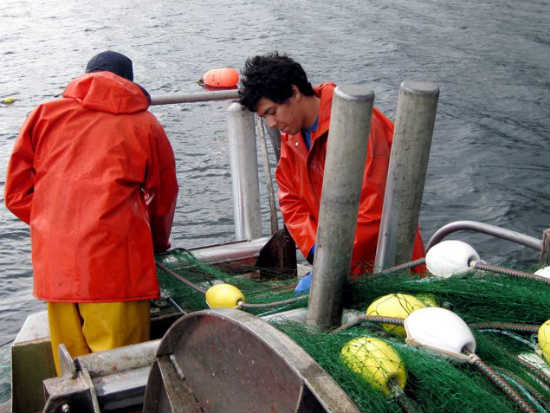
[
  {"x": 375, "y": 361},
  {"x": 223, "y": 296},
  {"x": 544, "y": 340},
  {"x": 8, "y": 100},
  {"x": 397, "y": 306}
]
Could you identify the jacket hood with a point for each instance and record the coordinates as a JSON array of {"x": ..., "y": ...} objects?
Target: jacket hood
[{"x": 107, "y": 92}]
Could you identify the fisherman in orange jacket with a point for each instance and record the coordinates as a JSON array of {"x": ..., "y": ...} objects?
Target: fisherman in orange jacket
[
  {"x": 277, "y": 89},
  {"x": 93, "y": 174}
]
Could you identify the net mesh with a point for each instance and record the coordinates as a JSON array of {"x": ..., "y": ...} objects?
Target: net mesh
[
  {"x": 475, "y": 296},
  {"x": 244, "y": 277},
  {"x": 434, "y": 383}
]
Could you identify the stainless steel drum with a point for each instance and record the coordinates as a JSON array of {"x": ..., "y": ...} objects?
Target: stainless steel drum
[{"x": 231, "y": 361}]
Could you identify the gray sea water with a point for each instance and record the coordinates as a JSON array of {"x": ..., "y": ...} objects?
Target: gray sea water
[{"x": 489, "y": 160}]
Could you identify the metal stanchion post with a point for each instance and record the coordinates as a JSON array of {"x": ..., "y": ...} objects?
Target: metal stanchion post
[
  {"x": 416, "y": 109},
  {"x": 344, "y": 165},
  {"x": 244, "y": 172}
]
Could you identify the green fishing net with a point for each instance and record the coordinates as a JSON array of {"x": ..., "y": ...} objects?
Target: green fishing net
[
  {"x": 476, "y": 296},
  {"x": 244, "y": 277},
  {"x": 434, "y": 384}
]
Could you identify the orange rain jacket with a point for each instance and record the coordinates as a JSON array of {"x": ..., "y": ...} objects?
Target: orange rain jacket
[
  {"x": 93, "y": 173},
  {"x": 300, "y": 178}
]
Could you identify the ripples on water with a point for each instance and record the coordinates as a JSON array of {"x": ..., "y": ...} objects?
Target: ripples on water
[{"x": 489, "y": 159}]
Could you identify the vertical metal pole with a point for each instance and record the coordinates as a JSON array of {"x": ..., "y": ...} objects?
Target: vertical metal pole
[
  {"x": 545, "y": 252},
  {"x": 244, "y": 172},
  {"x": 275, "y": 136},
  {"x": 344, "y": 165},
  {"x": 416, "y": 109},
  {"x": 268, "y": 177}
]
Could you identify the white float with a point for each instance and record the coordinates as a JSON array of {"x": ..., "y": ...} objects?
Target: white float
[
  {"x": 439, "y": 330},
  {"x": 450, "y": 257},
  {"x": 543, "y": 272}
]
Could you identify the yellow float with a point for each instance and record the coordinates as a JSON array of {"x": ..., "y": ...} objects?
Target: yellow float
[
  {"x": 375, "y": 361},
  {"x": 396, "y": 306},
  {"x": 544, "y": 340},
  {"x": 223, "y": 296}
]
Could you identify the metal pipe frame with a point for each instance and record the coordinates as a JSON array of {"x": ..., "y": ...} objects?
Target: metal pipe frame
[
  {"x": 498, "y": 232},
  {"x": 195, "y": 97}
]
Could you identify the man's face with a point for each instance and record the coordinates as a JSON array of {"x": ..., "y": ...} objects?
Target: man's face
[{"x": 284, "y": 116}]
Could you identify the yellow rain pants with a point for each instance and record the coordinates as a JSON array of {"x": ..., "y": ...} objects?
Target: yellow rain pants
[{"x": 90, "y": 327}]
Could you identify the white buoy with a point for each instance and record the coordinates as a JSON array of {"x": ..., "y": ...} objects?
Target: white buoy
[
  {"x": 440, "y": 330},
  {"x": 450, "y": 257},
  {"x": 543, "y": 272}
]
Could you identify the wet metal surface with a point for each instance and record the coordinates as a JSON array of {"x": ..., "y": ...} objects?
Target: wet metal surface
[{"x": 232, "y": 361}]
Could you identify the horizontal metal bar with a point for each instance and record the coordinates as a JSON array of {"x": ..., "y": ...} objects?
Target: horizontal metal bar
[
  {"x": 120, "y": 359},
  {"x": 498, "y": 232},
  {"x": 196, "y": 97},
  {"x": 233, "y": 251},
  {"x": 123, "y": 389}
]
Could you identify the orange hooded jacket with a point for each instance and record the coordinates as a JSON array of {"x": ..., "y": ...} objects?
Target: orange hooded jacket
[
  {"x": 93, "y": 173},
  {"x": 300, "y": 178}
]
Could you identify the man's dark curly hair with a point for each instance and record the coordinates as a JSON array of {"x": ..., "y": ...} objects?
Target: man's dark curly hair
[{"x": 271, "y": 76}]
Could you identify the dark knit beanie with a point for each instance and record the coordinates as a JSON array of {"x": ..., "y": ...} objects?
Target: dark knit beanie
[{"x": 112, "y": 62}]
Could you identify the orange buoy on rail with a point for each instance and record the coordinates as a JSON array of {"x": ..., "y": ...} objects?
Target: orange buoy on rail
[{"x": 220, "y": 78}]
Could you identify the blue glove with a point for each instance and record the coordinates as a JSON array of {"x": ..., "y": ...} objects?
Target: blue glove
[{"x": 304, "y": 284}]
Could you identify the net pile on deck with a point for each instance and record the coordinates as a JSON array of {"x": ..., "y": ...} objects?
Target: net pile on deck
[
  {"x": 433, "y": 383},
  {"x": 245, "y": 278},
  {"x": 495, "y": 307},
  {"x": 503, "y": 314},
  {"x": 476, "y": 296}
]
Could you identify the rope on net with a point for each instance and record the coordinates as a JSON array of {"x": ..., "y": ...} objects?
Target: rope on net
[
  {"x": 241, "y": 304},
  {"x": 527, "y": 328},
  {"x": 407, "y": 404},
  {"x": 536, "y": 371},
  {"x": 182, "y": 279},
  {"x": 271, "y": 304},
  {"x": 511, "y": 335},
  {"x": 478, "y": 265},
  {"x": 499, "y": 382},
  {"x": 372, "y": 318},
  {"x": 527, "y": 389}
]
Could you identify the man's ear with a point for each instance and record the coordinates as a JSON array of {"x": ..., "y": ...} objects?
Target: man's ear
[{"x": 296, "y": 92}]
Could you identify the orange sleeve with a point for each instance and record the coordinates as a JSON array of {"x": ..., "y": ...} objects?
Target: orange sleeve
[
  {"x": 18, "y": 193},
  {"x": 162, "y": 188},
  {"x": 301, "y": 224}
]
